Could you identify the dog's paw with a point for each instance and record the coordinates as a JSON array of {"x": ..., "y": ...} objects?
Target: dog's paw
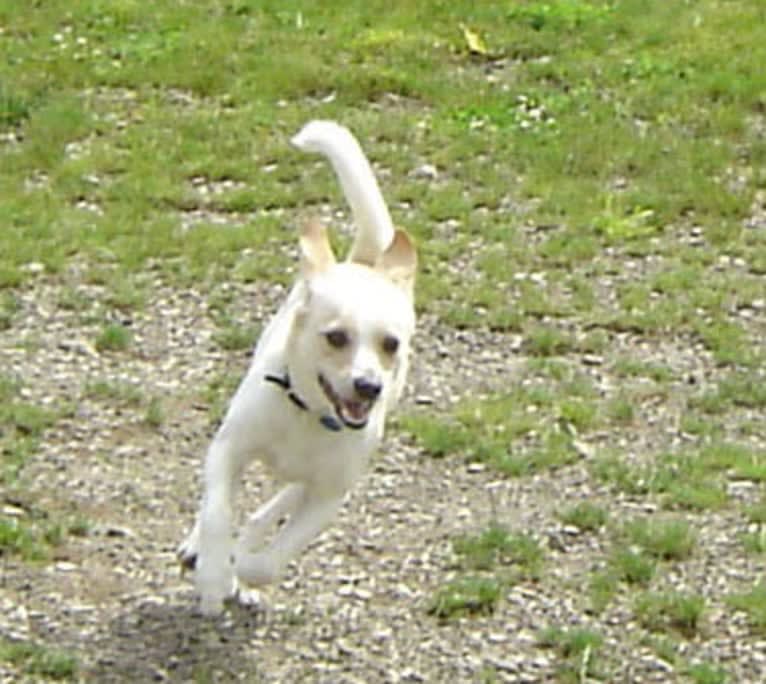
[
  {"x": 256, "y": 569},
  {"x": 215, "y": 583},
  {"x": 249, "y": 598},
  {"x": 187, "y": 551}
]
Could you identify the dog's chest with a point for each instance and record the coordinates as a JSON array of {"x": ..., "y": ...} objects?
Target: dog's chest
[{"x": 301, "y": 450}]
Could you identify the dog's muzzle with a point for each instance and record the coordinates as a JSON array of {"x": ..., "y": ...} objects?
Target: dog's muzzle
[{"x": 353, "y": 412}]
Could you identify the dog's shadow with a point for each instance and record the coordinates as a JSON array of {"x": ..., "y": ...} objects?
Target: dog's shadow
[{"x": 157, "y": 640}]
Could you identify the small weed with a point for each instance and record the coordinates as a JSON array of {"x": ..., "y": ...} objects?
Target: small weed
[
  {"x": 663, "y": 540},
  {"x": 602, "y": 587},
  {"x": 630, "y": 368},
  {"x": 578, "y": 648},
  {"x": 72, "y": 299},
  {"x": 121, "y": 393},
  {"x": 21, "y": 425},
  {"x": 727, "y": 342},
  {"x": 586, "y": 516},
  {"x": 569, "y": 642},
  {"x": 488, "y": 675},
  {"x": 468, "y": 596},
  {"x": 38, "y": 660},
  {"x": 32, "y": 538},
  {"x": 613, "y": 470},
  {"x": 621, "y": 226},
  {"x": 690, "y": 480},
  {"x": 756, "y": 513},
  {"x": 736, "y": 390},
  {"x": 631, "y": 565},
  {"x": 755, "y": 542},
  {"x": 438, "y": 437},
  {"x": 113, "y": 337},
  {"x": 484, "y": 430},
  {"x": 665, "y": 646},
  {"x": 621, "y": 410},
  {"x": 203, "y": 674},
  {"x": 496, "y": 546},
  {"x": 544, "y": 340},
  {"x": 126, "y": 295},
  {"x": 703, "y": 673},
  {"x": 580, "y": 414},
  {"x": 18, "y": 539},
  {"x": 15, "y": 106},
  {"x": 555, "y": 451},
  {"x": 670, "y": 611},
  {"x": 155, "y": 414},
  {"x": 595, "y": 342},
  {"x": 26, "y": 419},
  {"x": 752, "y": 603},
  {"x": 9, "y": 306}
]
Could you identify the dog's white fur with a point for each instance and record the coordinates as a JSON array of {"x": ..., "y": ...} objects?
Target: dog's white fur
[{"x": 343, "y": 340}]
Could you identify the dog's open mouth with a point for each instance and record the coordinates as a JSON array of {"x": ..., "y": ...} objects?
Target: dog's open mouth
[{"x": 354, "y": 413}]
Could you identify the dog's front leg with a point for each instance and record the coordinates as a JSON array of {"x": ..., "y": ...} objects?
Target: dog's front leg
[
  {"x": 313, "y": 514},
  {"x": 214, "y": 576},
  {"x": 281, "y": 504}
]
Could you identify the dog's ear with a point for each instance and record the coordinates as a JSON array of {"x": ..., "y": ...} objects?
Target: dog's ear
[
  {"x": 400, "y": 261},
  {"x": 316, "y": 252}
]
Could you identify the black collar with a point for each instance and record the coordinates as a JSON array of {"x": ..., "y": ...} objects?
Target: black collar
[{"x": 326, "y": 421}]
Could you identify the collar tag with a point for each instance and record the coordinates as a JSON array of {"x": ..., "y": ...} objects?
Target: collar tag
[{"x": 326, "y": 421}]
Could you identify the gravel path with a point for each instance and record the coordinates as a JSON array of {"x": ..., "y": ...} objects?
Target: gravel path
[{"x": 354, "y": 608}]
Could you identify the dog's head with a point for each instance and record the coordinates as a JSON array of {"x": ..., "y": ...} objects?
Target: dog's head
[{"x": 351, "y": 333}]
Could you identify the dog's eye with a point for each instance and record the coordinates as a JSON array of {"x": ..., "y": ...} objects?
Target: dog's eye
[
  {"x": 390, "y": 344},
  {"x": 337, "y": 338}
]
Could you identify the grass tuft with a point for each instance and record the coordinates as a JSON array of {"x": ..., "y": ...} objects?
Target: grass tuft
[
  {"x": 38, "y": 661},
  {"x": 114, "y": 337},
  {"x": 466, "y": 597},
  {"x": 753, "y": 604},
  {"x": 670, "y": 611}
]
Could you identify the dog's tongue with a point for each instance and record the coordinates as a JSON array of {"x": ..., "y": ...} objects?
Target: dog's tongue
[{"x": 356, "y": 410}]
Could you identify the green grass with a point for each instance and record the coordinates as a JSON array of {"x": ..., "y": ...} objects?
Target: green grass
[
  {"x": 586, "y": 516},
  {"x": 21, "y": 425},
  {"x": 694, "y": 479},
  {"x": 639, "y": 549},
  {"x": 660, "y": 612},
  {"x": 753, "y": 604},
  {"x": 154, "y": 416},
  {"x": 528, "y": 428},
  {"x": 632, "y": 565},
  {"x": 34, "y": 536},
  {"x": 661, "y": 539},
  {"x": 120, "y": 393},
  {"x": 497, "y": 546},
  {"x": 578, "y": 651},
  {"x": 38, "y": 661},
  {"x": 704, "y": 673},
  {"x": 465, "y": 597},
  {"x": 490, "y": 562},
  {"x": 113, "y": 337},
  {"x": 599, "y": 168}
]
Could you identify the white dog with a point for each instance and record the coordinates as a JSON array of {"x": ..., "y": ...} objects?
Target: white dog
[{"x": 312, "y": 406}]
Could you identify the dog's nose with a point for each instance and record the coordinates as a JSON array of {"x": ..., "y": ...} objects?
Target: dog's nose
[{"x": 367, "y": 389}]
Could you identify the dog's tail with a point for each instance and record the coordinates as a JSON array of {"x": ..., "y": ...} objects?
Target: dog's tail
[{"x": 374, "y": 229}]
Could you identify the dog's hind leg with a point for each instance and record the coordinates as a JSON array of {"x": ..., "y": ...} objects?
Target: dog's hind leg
[
  {"x": 280, "y": 505},
  {"x": 313, "y": 514}
]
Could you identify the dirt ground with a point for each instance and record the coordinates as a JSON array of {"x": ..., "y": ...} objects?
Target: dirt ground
[{"x": 354, "y": 608}]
